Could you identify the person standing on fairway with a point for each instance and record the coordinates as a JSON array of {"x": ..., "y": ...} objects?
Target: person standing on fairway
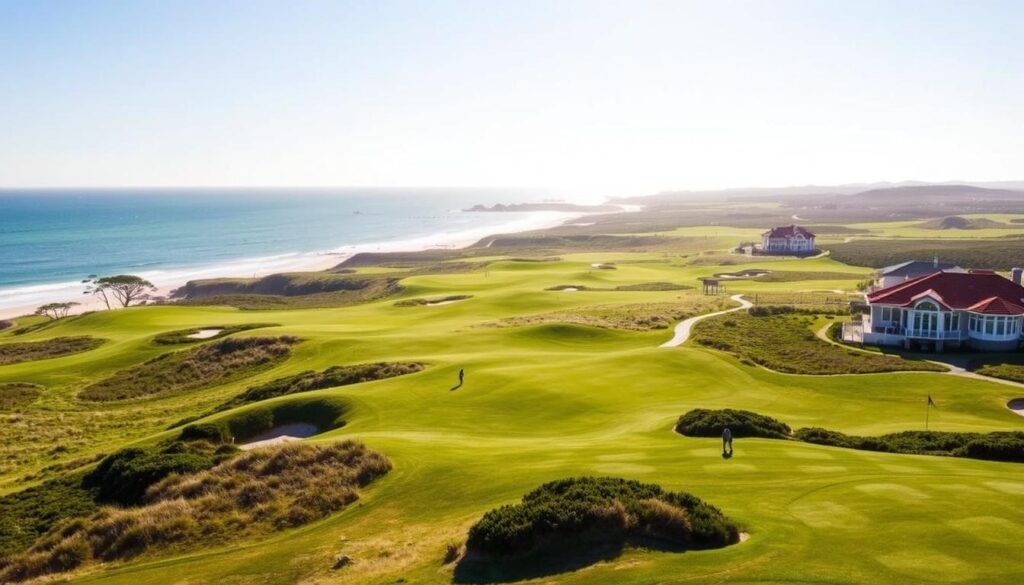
[
  {"x": 726, "y": 440},
  {"x": 462, "y": 376}
]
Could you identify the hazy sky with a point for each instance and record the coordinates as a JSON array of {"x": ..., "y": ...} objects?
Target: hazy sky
[{"x": 632, "y": 96}]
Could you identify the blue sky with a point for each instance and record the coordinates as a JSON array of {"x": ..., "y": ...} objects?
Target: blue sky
[{"x": 617, "y": 96}]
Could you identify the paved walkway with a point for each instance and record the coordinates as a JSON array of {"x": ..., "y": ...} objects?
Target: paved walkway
[{"x": 682, "y": 331}]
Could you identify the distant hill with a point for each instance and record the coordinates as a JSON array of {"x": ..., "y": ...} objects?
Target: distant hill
[
  {"x": 919, "y": 192},
  {"x": 955, "y": 222}
]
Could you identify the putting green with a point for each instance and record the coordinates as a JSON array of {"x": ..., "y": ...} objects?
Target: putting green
[{"x": 543, "y": 402}]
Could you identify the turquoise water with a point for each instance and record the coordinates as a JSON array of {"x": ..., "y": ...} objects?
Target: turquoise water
[{"x": 50, "y": 240}]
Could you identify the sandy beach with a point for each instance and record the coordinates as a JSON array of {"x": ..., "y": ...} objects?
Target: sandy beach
[{"x": 24, "y": 300}]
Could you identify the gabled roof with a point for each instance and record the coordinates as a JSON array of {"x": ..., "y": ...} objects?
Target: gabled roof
[
  {"x": 979, "y": 292},
  {"x": 787, "y": 231},
  {"x": 916, "y": 268}
]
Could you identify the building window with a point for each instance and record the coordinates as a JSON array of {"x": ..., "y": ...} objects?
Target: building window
[
  {"x": 989, "y": 325},
  {"x": 1000, "y": 325}
]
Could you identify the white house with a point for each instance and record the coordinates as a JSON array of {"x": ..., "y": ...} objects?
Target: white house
[
  {"x": 790, "y": 239},
  {"x": 980, "y": 310},
  {"x": 898, "y": 273}
]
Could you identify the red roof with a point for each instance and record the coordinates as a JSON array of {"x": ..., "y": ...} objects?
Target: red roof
[
  {"x": 978, "y": 292},
  {"x": 787, "y": 231}
]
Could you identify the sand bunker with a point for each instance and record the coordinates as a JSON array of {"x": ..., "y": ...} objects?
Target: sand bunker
[
  {"x": 1016, "y": 405},
  {"x": 439, "y": 303},
  {"x": 569, "y": 289},
  {"x": 739, "y": 275},
  {"x": 281, "y": 434},
  {"x": 204, "y": 334}
]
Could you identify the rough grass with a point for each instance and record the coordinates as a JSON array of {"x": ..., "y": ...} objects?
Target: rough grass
[
  {"x": 15, "y": 395},
  {"x": 26, "y": 351},
  {"x": 632, "y": 317},
  {"x": 329, "y": 378},
  {"x": 27, "y": 514},
  {"x": 573, "y": 517},
  {"x": 786, "y": 343},
  {"x": 290, "y": 291},
  {"x": 181, "y": 371},
  {"x": 258, "y": 492},
  {"x": 997, "y": 446},
  {"x": 181, "y": 336}
]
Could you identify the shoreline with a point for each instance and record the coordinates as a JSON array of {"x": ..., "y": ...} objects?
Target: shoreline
[{"x": 168, "y": 279}]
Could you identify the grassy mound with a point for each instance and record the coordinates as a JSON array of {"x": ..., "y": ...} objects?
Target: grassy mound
[
  {"x": 208, "y": 365},
  {"x": 702, "y": 422},
  {"x": 434, "y": 301},
  {"x": 13, "y": 353},
  {"x": 238, "y": 427},
  {"x": 123, "y": 477},
  {"x": 292, "y": 290},
  {"x": 574, "y": 517},
  {"x": 786, "y": 343},
  {"x": 28, "y": 514},
  {"x": 994, "y": 253},
  {"x": 181, "y": 336},
  {"x": 17, "y": 394},
  {"x": 255, "y": 493},
  {"x": 329, "y": 378}
]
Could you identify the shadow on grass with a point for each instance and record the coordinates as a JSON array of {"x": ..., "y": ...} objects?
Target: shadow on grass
[{"x": 473, "y": 569}]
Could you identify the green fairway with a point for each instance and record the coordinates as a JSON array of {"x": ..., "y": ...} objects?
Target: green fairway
[{"x": 548, "y": 400}]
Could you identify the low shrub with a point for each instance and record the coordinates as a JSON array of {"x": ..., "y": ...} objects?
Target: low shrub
[
  {"x": 702, "y": 422},
  {"x": 996, "y": 446},
  {"x": 259, "y": 491},
  {"x": 589, "y": 511},
  {"x": 179, "y": 371},
  {"x": 26, "y": 351}
]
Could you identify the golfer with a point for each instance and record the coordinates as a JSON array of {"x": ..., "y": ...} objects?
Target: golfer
[{"x": 726, "y": 440}]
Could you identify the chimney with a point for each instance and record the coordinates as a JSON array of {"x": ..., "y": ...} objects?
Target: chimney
[{"x": 1015, "y": 275}]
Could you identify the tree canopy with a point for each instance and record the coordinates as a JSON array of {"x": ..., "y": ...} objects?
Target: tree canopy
[
  {"x": 124, "y": 288},
  {"x": 55, "y": 310}
]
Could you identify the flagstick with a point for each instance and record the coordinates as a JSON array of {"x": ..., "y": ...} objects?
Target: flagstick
[{"x": 926, "y": 413}]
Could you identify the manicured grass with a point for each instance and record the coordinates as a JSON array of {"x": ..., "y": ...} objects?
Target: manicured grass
[
  {"x": 636, "y": 317},
  {"x": 786, "y": 343},
  {"x": 549, "y": 401}
]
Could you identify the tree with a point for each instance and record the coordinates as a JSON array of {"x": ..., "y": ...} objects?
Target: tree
[
  {"x": 55, "y": 310},
  {"x": 125, "y": 288}
]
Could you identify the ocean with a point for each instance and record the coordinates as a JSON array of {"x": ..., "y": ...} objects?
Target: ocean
[{"x": 50, "y": 240}]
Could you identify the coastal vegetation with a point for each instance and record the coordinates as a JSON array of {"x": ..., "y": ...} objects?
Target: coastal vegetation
[
  {"x": 123, "y": 289},
  {"x": 293, "y": 290},
  {"x": 578, "y": 517},
  {"x": 558, "y": 394},
  {"x": 990, "y": 253},
  {"x": 784, "y": 341},
  {"x": 55, "y": 310},
  {"x": 252, "y": 494},
  {"x": 17, "y": 352},
  {"x": 181, "y": 371}
]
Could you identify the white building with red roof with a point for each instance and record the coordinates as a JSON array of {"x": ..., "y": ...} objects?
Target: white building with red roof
[
  {"x": 979, "y": 309},
  {"x": 789, "y": 239}
]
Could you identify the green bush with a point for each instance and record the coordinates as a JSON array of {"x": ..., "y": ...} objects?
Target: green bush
[
  {"x": 587, "y": 511},
  {"x": 210, "y": 432},
  {"x": 27, "y": 514},
  {"x": 997, "y": 446},
  {"x": 702, "y": 422}
]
